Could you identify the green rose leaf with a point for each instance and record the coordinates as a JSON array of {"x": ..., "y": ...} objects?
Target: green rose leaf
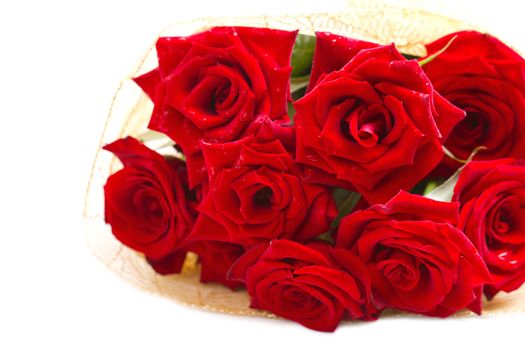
[
  {"x": 445, "y": 191},
  {"x": 345, "y": 201},
  {"x": 410, "y": 57},
  {"x": 302, "y": 55}
]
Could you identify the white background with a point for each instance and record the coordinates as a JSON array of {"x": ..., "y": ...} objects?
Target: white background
[{"x": 60, "y": 63}]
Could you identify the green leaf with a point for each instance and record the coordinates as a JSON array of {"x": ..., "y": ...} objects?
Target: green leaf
[
  {"x": 340, "y": 195},
  {"x": 151, "y": 135},
  {"x": 302, "y": 55},
  {"x": 430, "y": 58},
  {"x": 430, "y": 186},
  {"x": 291, "y": 112},
  {"x": 296, "y": 95},
  {"x": 326, "y": 237},
  {"x": 445, "y": 191},
  {"x": 427, "y": 185},
  {"x": 298, "y": 83},
  {"x": 161, "y": 144},
  {"x": 410, "y": 57},
  {"x": 345, "y": 202}
]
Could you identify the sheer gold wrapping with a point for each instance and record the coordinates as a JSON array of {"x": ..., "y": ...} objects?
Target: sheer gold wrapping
[{"x": 130, "y": 111}]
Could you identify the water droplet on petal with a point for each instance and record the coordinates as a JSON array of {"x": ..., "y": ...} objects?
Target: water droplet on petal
[{"x": 503, "y": 255}]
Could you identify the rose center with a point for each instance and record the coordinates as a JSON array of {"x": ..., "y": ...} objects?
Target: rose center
[
  {"x": 367, "y": 125},
  {"x": 400, "y": 269},
  {"x": 472, "y": 128},
  {"x": 152, "y": 205},
  {"x": 148, "y": 207},
  {"x": 263, "y": 197},
  {"x": 399, "y": 273},
  {"x": 299, "y": 299},
  {"x": 220, "y": 96},
  {"x": 502, "y": 222}
]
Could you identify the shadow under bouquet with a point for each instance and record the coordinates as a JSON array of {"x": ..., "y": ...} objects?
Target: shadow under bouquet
[{"x": 330, "y": 177}]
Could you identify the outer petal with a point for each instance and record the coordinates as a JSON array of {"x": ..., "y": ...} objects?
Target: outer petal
[{"x": 332, "y": 52}]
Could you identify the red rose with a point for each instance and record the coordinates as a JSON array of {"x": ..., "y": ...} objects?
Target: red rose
[
  {"x": 417, "y": 259},
  {"x": 315, "y": 285},
  {"x": 492, "y": 214},
  {"x": 257, "y": 194},
  {"x": 213, "y": 85},
  {"x": 215, "y": 259},
  {"x": 146, "y": 205},
  {"x": 375, "y": 125},
  {"x": 483, "y": 76}
]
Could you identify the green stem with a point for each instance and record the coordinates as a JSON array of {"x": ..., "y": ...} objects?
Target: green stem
[
  {"x": 436, "y": 54},
  {"x": 451, "y": 155}
]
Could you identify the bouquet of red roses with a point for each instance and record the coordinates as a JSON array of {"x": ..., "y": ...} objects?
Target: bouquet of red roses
[{"x": 332, "y": 178}]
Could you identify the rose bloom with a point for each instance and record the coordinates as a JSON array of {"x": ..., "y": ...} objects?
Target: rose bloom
[
  {"x": 492, "y": 214},
  {"x": 315, "y": 285},
  {"x": 484, "y": 77},
  {"x": 147, "y": 204},
  {"x": 417, "y": 259},
  {"x": 257, "y": 193},
  {"x": 371, "y": 120},
  {"x": 213, "y": 85}
]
